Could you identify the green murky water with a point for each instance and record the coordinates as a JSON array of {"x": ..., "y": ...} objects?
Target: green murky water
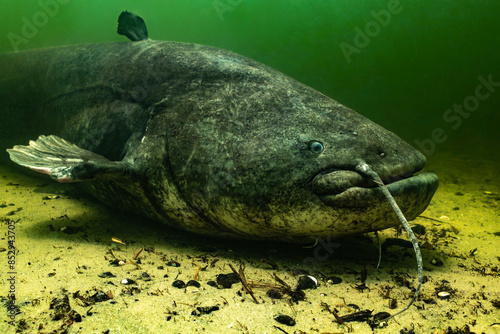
[{"x": 403, "y": 64}]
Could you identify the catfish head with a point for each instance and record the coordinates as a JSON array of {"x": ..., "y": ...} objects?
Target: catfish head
[{"x": 257, "y": 154}]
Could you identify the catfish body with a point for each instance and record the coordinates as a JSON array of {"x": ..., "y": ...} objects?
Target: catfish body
[{"x": 205, "y": 140}]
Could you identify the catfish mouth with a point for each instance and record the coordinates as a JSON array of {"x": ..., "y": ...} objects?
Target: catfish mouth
[{"x": 349, "y": 189}]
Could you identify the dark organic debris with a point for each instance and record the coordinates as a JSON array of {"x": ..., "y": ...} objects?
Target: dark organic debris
[
  {"x": 114, "y": 263},
  {"x": 496, "y": 303},
  {"x": 204, "y": 310},
  {"x": 60, "y": 306},
  {"x": 429, "y": 301},
  {"x": 334, "y": 280},
  {"x": 227, "y": 280},
  {"x": 378, "y": 319},
  {"x": 127, "y": 281},
  {"x": 70, "y": 229},
  {"x": 271, "y": 263},
  {"x": 106, "y": 274},
  {"x": 395, "y": 242},
  {"x": 407, "y": 331},
  {"x": 463, "y": 330},
  {"x": 243, "y": 280},
  {"x": 360, "y": 316},
  {"x": 364, "y": 275},
  {"x": 274, "y": 294},
  {"x": 296, "y": 294},
  {"x": 98, "y": 297},
  {"x": 437, "y": 262},
  {"x": 285, "y": 320},
  {"x": 10, "y": 305},
  {"x": 131, "y": 290},
  {"x": 62, "y": 310},
  {"x": 145, "y": 277},
  {"x": 419, "y": 229},
  {"x": 173, "y": 264}
]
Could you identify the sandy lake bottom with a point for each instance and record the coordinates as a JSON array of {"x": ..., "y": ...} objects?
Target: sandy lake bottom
[{"x": 68, "y": 280}]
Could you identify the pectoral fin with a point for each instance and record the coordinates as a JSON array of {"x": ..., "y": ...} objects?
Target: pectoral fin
[{"x": 64, "y": 161}]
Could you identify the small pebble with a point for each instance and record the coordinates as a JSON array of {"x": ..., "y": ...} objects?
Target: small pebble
[
  {"x": 379, "y": 318},
  {"x": 307, "y": 282},
  {"x": 418, "y": 229},
  {"x": 354, "y": 307},
  {"x": 194, "y": 283},
  {"x": 274, "y": 294},
  {"x": 179, "y": 284},
  {"x": 227, "y": 280},
  {"x": 173, "y": 264},
  {"x": 285, "y": 320}
]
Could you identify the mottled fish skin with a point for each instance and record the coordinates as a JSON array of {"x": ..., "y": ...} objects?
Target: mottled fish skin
[{"x": 216, "y": 143}]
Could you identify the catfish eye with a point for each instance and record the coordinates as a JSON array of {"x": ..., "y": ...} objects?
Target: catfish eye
[{"x": 316, "y": 147}]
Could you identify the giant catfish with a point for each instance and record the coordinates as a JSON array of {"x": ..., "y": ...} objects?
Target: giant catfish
[{"x": 204, "y": 140}]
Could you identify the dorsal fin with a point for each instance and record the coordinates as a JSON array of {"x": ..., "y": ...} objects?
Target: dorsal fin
[{"x": 132, "y": 26}]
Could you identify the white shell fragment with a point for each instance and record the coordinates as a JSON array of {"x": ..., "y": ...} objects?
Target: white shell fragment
[{"x": 443, "y": 294}]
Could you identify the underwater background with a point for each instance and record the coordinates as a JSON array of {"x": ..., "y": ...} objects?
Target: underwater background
[{"x": 427, "y": 70}]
